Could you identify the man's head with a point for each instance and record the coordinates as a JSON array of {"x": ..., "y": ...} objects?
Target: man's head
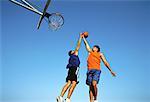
[
  {"x": 96, "y": 48},
  {"x": 71, "y": 52}
]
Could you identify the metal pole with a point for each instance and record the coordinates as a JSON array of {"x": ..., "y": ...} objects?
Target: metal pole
[{"x": 29, "y": 7}]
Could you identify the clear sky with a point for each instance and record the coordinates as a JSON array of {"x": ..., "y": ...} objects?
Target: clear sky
[{"x": 34, "y": 61}]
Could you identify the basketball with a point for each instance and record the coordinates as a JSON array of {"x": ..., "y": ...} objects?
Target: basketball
[{"x": 86, "y": 34}]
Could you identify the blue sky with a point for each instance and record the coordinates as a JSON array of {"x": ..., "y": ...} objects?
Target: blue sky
[{"x": 33, "y": 61}]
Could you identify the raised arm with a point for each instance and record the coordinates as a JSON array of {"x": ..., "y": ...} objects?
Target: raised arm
[
  {"x": 86, "y": 44},
  {"x": 78, "y": 45},
  {"x": 107, "y": 65}
]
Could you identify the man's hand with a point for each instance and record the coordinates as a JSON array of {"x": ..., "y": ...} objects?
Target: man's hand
[
  {"x": 81, "y": 35},
  {"x": 113, "y": 74}
]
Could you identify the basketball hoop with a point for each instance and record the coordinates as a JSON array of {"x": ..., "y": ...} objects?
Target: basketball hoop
[{"x": 55, "y": 21}]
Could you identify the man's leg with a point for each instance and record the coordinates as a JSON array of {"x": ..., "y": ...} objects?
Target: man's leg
[
  {"x": 91, "y": 93},
  {"x": 60, "y": 98},
  {"x": 96, "y": 77},
  {"x": 65, "y": 88},
  {"x": 74, "y": 83},
  {"x": 95, "y": 91},
  {"x": 89, "y": 83}
]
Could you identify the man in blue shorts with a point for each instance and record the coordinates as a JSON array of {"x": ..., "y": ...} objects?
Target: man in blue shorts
[{"x": 94, "y": 69}]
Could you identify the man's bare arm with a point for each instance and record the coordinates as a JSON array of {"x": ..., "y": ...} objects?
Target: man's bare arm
[
  {"x": 87, "y": 45},
  {"x": 78, "y": 44},
  {"x": 107, "y": 64}
]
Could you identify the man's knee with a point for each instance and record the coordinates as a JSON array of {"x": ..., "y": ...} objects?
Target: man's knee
[
  {"x": 94, "y": 83},
  {"x": 68, "y": 83},
  {"x": 74, "y": 83}
]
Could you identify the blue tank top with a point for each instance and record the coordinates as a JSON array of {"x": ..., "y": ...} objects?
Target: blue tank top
[{"x": 73, "y": 61}]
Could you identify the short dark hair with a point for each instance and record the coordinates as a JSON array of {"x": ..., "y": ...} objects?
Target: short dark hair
[
  {"x": 70, "y": 53},
  {"x": 97, "y": 48}
]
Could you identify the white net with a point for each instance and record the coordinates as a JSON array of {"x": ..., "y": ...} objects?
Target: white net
[{"x": 55, "y": 21}]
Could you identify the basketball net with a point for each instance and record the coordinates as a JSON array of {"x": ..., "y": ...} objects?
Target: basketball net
[{"x": 55, "y": 21}]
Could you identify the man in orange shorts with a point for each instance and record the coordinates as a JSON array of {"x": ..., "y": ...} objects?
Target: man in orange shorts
[{"x": 94, "y": 69}]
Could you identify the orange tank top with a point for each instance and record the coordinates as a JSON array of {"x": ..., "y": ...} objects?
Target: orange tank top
[{"x": 93, "y": 61}]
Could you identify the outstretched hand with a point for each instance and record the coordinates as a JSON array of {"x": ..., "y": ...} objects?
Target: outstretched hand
[
  {"x": 113, "y": 74},
  {"x": 81, "y": 35}
]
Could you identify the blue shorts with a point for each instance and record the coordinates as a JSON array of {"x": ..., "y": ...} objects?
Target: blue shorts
[{"x": 93, "y": 75}]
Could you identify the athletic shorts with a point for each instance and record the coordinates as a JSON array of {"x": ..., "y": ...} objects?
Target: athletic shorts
[
  {"x": 93, "y": 75},
  {"x": 72, "y": 74}
]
